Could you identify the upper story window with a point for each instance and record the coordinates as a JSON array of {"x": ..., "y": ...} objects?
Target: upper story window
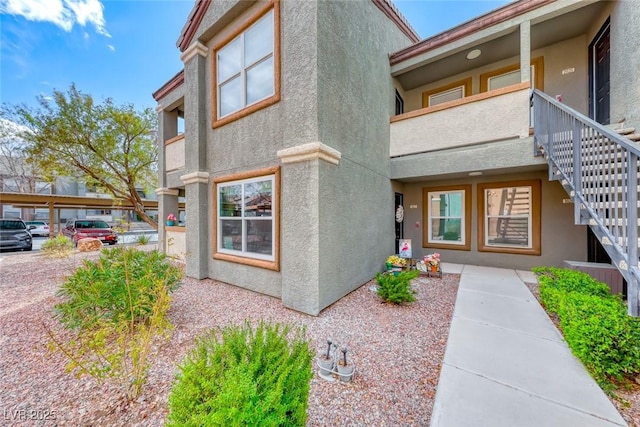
[
  {"x": 247, "y": 67},
  {"x": 450, "y": 92},
  {"x": 510, "y": 75}
]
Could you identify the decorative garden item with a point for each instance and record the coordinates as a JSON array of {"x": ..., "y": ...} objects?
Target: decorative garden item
[{"x": 171, "y": 219}]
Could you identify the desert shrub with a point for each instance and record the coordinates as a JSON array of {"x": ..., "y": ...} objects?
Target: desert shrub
[
  {"x": 119, "y": 286},
  {"x": 247, "y": 377},
  {"x": 556, "y": 282},
  {"x": 397, "y": 288},
  {"x": 601, "y": 335},
  {"x": 142, "y": 239},
  {"x": 117, "y": 306},
  {"x": 57, "y": 247}
]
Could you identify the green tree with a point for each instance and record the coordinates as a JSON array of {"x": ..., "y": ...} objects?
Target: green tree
[{"x": 105, "y": 145}]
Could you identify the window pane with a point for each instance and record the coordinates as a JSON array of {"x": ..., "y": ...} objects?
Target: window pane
[
  {"x": 449, "y": 95},
  {"x": 257, "y": 198},
  {"x": 259, "y": 236},
  {"x": 258, "y": 40},
  {"x": 230, "y": 96},
  {"x": 231, "y": 234},
  {"x": 447, "y": 230},
  {"x": 508, "y": 201},
  {"x": 229, "y": 60},
  {"x": 508, "y": 232},
  {"x": 446, "y": 204},
  {"x": 230, "y": 200},
  {"x": 260, "y": 81},
  {"x": 504, "y": 80}
]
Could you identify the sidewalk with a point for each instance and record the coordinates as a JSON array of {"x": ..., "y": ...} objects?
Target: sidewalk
[{"x": 506, "y": 364}]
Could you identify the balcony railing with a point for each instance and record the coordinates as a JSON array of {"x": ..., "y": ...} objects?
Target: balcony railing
[
  {"x": 599, "y": 169},
  {"x": 174, "y": 153},
  {"x": 495, "y": 115}
]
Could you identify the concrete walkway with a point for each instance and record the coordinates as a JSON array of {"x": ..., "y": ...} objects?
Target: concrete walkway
[{"x": 506, "y": 364}]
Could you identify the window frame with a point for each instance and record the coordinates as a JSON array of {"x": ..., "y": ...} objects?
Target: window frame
[
  {"x": 273, "y": 5},
  {"x": 246, "y": 257},
  {"x": 466, "y": 84},
  {"x": 535, "y": 217},
  {"x": 466, "y": 218},
  {"x": 537, "y": 63}
]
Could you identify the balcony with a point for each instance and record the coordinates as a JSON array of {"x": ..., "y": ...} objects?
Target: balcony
[
  {"x": 174, "y": 153},
  {"x": 496, "y": 115}
]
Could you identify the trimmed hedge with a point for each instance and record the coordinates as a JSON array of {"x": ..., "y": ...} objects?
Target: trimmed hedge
[
  {"x": 247, "y": 378},
  {"x": 594, "y": 322},
  {"x": 397, "y": 289}
]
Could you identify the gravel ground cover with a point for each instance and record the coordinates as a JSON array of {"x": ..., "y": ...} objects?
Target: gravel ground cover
[
  {"x": 628, "y": 396},
  {"x": 398, "y": 350}
]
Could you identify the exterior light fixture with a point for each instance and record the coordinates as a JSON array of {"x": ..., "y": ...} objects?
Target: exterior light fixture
[
  {"x": 473, "y": 54},
  {"x": 476, "y": 173}
]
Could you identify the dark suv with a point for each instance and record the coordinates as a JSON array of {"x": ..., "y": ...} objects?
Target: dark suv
[
  {"x": 14, "y": 235},
  {"x": 77, "y": 229}
]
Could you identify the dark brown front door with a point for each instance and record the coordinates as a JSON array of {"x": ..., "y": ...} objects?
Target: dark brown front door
[{"x": 599, "y": 92}]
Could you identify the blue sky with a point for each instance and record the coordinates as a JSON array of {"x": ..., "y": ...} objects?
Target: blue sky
[{"x": 125, "y": 50}]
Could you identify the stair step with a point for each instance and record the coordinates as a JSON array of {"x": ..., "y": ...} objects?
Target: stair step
[
  {"x": 610, "y": 205},
  {"x": 633, "y": 137},
  {"x": 624, "y": 131},
  {"x": 612, "y": 222}
]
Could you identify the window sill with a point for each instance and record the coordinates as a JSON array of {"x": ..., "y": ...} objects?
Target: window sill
[
  {"x": 466, "y": 247},
  {"x": 515, "y": 251},
  {"x": 268, "y": 265}
]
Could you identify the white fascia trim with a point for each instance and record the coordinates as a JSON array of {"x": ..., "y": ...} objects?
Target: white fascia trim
[
  {"x": 195, "y": 178},
  {"x": 159, "y": 108},
  {"x": 162, "y": 191},
  {"x": 196, "y": 48},
  {"x": 310, "y": 151}
]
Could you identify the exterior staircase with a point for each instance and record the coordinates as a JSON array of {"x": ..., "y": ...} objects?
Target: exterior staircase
[{"x": 599, "y": 168}]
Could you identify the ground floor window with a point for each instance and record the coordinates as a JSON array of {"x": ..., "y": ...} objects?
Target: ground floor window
[
  {"x": 246, "y": 222},
  {"x": 509, "y": 217},
  {"x": 447, "y": 219}
]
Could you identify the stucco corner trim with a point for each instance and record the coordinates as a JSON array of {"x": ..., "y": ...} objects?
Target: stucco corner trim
[
  {"x": 162, "y": 191},
  {"x": 310, "y": 151},
  {"x": 195, "y": 178},
  {"x": 196, "y": 48}
]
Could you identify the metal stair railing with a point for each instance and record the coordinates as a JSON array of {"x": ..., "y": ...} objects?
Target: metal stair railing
[{"x": 599, "y": 169}]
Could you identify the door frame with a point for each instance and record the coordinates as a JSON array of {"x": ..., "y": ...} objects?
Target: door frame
[{"x": 592, "y": 68}]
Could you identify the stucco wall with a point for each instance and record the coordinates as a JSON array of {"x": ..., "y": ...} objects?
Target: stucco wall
[
  {"x": 561, "y": 239},
  {"x": 356, "y": 97},
  {"x": 625, "y": 63}
]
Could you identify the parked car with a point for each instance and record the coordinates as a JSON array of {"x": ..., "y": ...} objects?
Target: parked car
[
  {"x": 14, "y": 235},
  {"x": 38, "y": 228},
  {"x": 77, "y": 229}
]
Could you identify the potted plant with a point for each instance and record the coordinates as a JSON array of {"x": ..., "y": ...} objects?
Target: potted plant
[
  {"x": 171, "y": 219},
  {"x": 432, "y": 262}
]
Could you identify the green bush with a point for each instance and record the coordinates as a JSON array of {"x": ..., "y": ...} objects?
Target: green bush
[
  {"x": 397, "y": 289},
  {"x": 57, "y": 247},
  {"x": 117, "y": 306},
  {"x": 555, "y": 282},
  {"x": 142, "y": 239},
  {"x": 601, "y": 334},
  {"x": 247, "y": 378},
  {"x": 119, "y": 286}
]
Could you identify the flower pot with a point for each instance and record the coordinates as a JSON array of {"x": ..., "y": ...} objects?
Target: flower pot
[
  {"x": 169, "y": 222},
  {"x": 345, "y": 372},
  {"x": 434, "y": 268},
  {"x": 325, "y": 365},
  {"x": 389, "y": 265}
]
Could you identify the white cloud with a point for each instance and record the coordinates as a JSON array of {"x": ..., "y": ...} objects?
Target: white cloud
[
  {"x": 63, "y": 13},
  {"x": 111, "y": 47}
]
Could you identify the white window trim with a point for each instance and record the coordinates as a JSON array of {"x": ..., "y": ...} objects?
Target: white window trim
[
  {"x": 242, "y": 218},
  {"x": 463, "y": 237},
  {"x": 244, "y": 68},
  {"x": 529, "y": 217}
]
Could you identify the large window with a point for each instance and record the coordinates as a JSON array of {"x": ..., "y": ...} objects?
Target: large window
[
  {"x": 447, "y": 217},
  {"x": 510, "y": 215},
  {"x": 510, "y": 75},
  {"x": 247, "y": 218},
  {"x": 246, "y": 67}
]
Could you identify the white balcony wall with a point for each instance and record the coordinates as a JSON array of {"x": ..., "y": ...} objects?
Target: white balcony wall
[
  {"x": 176, "y": 242},
  {"x": 174, "y": 154},
  {"x": 490, "y": 116}
]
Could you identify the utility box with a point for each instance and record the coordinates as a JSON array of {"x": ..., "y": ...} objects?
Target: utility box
[{"x": 602, "y": 272}]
